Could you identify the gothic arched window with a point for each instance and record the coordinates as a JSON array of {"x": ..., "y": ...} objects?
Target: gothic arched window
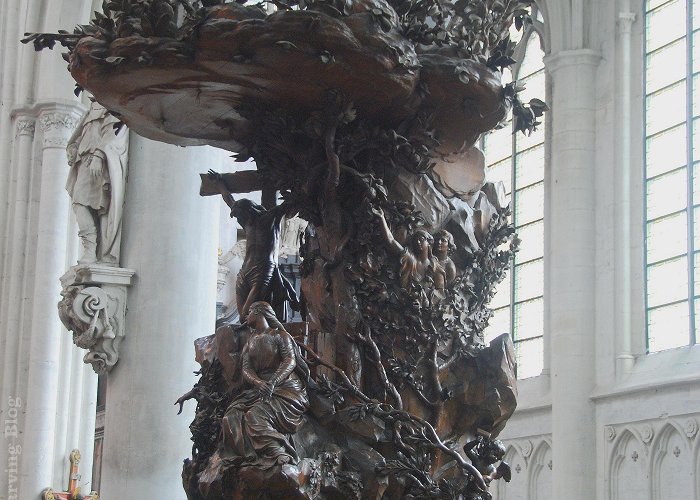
[
  {"x": 518, "y": 161},
  {"x": 671, "y": 172}
]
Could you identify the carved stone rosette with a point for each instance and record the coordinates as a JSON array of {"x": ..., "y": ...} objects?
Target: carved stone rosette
[{"x": 93, "y": 308}]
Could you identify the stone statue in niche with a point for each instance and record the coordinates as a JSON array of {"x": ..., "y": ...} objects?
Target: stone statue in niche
[
  {"x": 97, "y": 183},
  {"x": 259, "y": 421},
  {"x": 259, "y": 278}
]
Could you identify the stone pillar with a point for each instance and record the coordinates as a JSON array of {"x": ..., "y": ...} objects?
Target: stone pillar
[
  {"x": 623, "y": 209},
  {"x": 57, "y": 124},
  {"x": 572, "y": 272},
  {"x": 170, "y": 239}
]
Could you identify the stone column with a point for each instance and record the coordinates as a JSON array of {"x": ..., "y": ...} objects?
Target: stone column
[
  {"x": 57, "y": 122},
  {"x": 623, "y": 208},
  {"x": 170, "y": 239},
  {"x": 572, "y": 272}
]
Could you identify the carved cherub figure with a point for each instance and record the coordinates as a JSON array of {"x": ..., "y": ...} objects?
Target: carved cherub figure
[
  {"x": 444, "y": 246},
  {"x": 484, "y": 452}
]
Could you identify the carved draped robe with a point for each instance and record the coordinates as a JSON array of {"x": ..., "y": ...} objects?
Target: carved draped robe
[{"x": 257, "y": 432}]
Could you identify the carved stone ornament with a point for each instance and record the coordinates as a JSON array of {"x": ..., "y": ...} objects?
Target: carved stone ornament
[
  {"x": 527, "y": 448},
  {"x": 25, "y": 126},
  {"x": 610, "y": 432},
  {"x": 691, "y": 427},
  {"x": 646, "y": 432},
  {"x": 58, "y": 120},
  {"x": 93, "y": 308}
]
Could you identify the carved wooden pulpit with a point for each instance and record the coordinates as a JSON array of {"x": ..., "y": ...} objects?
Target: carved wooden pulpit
[{"x": 73, "y": 492}]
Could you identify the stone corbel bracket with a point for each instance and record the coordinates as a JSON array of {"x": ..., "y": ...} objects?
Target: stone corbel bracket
[{"x": 93, "y": 308}]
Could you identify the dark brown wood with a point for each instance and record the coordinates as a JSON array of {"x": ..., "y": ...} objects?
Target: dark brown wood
[{"x": 362, "y": 115}]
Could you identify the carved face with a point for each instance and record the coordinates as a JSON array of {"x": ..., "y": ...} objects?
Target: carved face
[
  {"x": 253, "y": 314},
  {"x": 422, "y": 241},
  {"x": 444, "y": 243}
]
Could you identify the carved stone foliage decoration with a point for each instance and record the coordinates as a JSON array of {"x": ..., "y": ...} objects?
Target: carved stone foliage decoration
[
  {"x": 93, "y": 307},
  {"x": 361, "y": 117}
]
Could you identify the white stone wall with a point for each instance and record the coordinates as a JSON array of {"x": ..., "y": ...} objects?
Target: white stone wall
[{"x": 603, "y": 421}]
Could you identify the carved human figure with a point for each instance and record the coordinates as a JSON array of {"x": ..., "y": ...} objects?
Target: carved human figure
[
  {"x": 484, "y": 453},
  {"x": 257, "y": 424},
  {"x": 417, "y": 259},
  {"x": 259, "y": 278},
  {"x": 97, "y": 183},
  {"x": 444, "y": 246}
]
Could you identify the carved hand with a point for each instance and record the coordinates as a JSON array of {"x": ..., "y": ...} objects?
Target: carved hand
[
  {"x": 266, "y": 389},
  {"x": 96, "y": 166},
  {"x": 377, "y": 211},
  {"x": 215, "y": 176},
  {"x": 72, "y": 152}
]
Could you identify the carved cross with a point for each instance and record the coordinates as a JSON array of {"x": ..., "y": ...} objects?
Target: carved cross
[{"x": 73, "y": 492}]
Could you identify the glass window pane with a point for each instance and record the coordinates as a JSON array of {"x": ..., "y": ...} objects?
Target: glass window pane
[
  {"x": 696, "y": 188},
  {"x": 666, "y": 66},
  {"x": 532, "y": 62},
  {"x": 534, "y": 87},
  {"x": 666, "y": 108},
  {"x": 665, "y": 24},
  {"x": 529, "y": 167},
  {"x": 529, "y": 355},
  {"x": 498, "y": 144},
  {"x": 524, "y": 141},
  {"x": 531, "y": 242},
  {"x": 529, "y": 280},
  {"x": 652, "y": 4},
  {"x": 667, "y": 238},
  {"x": 529, "y": 204},
  {"x": 667, "y": 282},
  {"x": 501, "y": 172},
  {"x": 502, "y": 297},
  {"x": 667, "y": 194},
  {"x": 666, "y": 151},
  {"x": 498, "y": 325},
  {"x": 696, "y": 92},
  {"x": 668, "y": 327},
  {"x": 696, "y": 269},
  {"x": 696, "y": 138},
  {"x": 529, "y": 319}
]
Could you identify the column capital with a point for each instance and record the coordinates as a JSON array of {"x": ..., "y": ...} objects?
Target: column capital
[
  {"x": 25, "y": 122},
  {"x": 58, "y": 120},
  {"x": 625, "y": 21},
  {"x": 577, "y": 57}
]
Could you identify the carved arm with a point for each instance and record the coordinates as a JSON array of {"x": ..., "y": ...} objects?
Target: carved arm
[
  {"x": 394, "y": 245},
  {"x": 248, "y": 372},
  {"x": 288, "y": 363}
]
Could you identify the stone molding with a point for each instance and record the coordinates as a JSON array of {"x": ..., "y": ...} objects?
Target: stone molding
[
  {"x": 93, "y": 308},
  {"x": 647, "y": 444},
  {"x": 25, "y": 126},
  {"x": 59, "y": 121}
]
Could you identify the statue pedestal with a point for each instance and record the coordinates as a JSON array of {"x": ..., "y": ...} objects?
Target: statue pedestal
[{"x": 94, "y": 308}]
